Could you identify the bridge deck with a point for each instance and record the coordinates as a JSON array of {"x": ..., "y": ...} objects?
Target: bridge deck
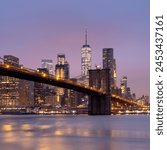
[{"x": 34, "y": 75}]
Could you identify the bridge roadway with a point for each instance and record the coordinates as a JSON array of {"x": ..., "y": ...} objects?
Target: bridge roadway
[{"x": 34, "y": 75}]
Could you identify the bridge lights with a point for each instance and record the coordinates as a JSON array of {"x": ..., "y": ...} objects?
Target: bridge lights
[
  {"x": 101, "y": 89},
  {"x": 7, "y": 66},
  {"x": 44, "y": 75}
]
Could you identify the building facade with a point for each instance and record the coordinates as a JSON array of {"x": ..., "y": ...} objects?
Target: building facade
[
  {"x": 85, "y": 60},
  {"x": 49, "y": 90},
  {"x": 40, "y": 90},
  {"x": 61, "y": 72},
  {"x": 12, "y": 60},
  {"x": 9, "y": 86},
  {"x": 15, "y": 92},
  {"x": 62, "y": 67},
  {"x": 124, "y": 86},
  {"x": 110, "y": 63},
  {"x": 26, "y": 93},
  {"x": 48, "y": 64}
]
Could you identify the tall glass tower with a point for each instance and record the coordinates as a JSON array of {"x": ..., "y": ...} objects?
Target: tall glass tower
[
  {"x": 62, "y": 67},
  {"x": 85, "y": 58},
  {"x": 110, "y": 63},
  {"x": 124, "y": 86},
  {"x": 48, "y": 64},
  {"x": 61, "y": 72}
]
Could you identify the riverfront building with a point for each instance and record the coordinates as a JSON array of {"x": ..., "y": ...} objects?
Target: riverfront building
[
  {"x": 9, "y": 87},
  {"x": 15, "y": 92},
  {"x": 40, "y": 89}
]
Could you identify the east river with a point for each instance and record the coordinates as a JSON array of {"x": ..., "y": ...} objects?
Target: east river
[{"x": 74, "y": 132}]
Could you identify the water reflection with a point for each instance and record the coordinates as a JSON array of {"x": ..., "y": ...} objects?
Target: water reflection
[
  {"x": 9, "y": 137},
  {"x": 58, "y": 132},
  {"x": 80, "y": 132},
  {"x": 7, "y": 127},
  {"x": 26, "y": 127}
]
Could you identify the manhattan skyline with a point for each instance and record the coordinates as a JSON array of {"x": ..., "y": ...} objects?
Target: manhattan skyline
[{"x": 33, "y": 31}]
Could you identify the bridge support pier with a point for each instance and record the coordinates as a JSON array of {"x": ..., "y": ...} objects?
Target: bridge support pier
[{"x": 99, "y": 105}]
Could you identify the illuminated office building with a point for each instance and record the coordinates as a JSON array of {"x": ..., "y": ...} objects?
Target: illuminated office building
[
  {"x": 128, "y": 93},
  {"x": 114, "y": 73},
  {"x": 9, "y": 91},
  {"x": 12, "y": 60},
  {"x": 15, "y": 92},
  {"x": 61, "y": 72},
  {"x": 49, "y": 97},
  {"x": 48, "y": 64},
  {"x": 9, "y": 86},
  {"x": 124, "y": 86},
  {"x": 73, "y": 96},
  {"x": 62, "y": 67},
  {"x": 110, "y": 63},
  {"x": 40, "y": 90},
  {"x": 26, "y": 93},
  {"x": 85, "y": 60}
]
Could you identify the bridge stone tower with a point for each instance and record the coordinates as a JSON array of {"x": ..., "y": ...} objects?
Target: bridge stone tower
[{"x": 99, "y": 104}]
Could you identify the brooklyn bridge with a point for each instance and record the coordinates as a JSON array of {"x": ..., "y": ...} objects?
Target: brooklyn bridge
[{"x": 100, "y": 100}]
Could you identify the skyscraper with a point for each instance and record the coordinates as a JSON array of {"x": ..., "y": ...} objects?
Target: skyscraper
[
  {"x": 124, "y": 86},
  {"x": 48, "y": 64},
  {"x": 62, "y": 67},
  {"x": 12, "y": 60},
  {"x": 13, "y": 91},
  {"x": 48, "y": 89},
  {"x": 61, "y": 72},
  {"x": 110, "y": 63},
  {"x": 115, "y": 73},
  {"x": 9, "y": 87},
  {"x": 85, "y": 59},
  {"x": 40, "y": 90},
  {"x": 26, "y": 93}
]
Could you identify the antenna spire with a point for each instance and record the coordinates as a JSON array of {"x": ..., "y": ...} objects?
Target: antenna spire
[{"x": 86, "y": 36}]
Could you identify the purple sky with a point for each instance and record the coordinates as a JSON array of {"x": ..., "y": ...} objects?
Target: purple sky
[{"x": 37, "y": 29}]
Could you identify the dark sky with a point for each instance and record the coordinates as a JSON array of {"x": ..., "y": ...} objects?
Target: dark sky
[{"x": 37, "y": 29}]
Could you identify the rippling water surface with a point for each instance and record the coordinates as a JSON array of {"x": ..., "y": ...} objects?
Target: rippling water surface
[{"x": 34, "y": 132}]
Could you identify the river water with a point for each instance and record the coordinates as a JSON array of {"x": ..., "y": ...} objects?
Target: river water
[{"x": 74, "y": 132}]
